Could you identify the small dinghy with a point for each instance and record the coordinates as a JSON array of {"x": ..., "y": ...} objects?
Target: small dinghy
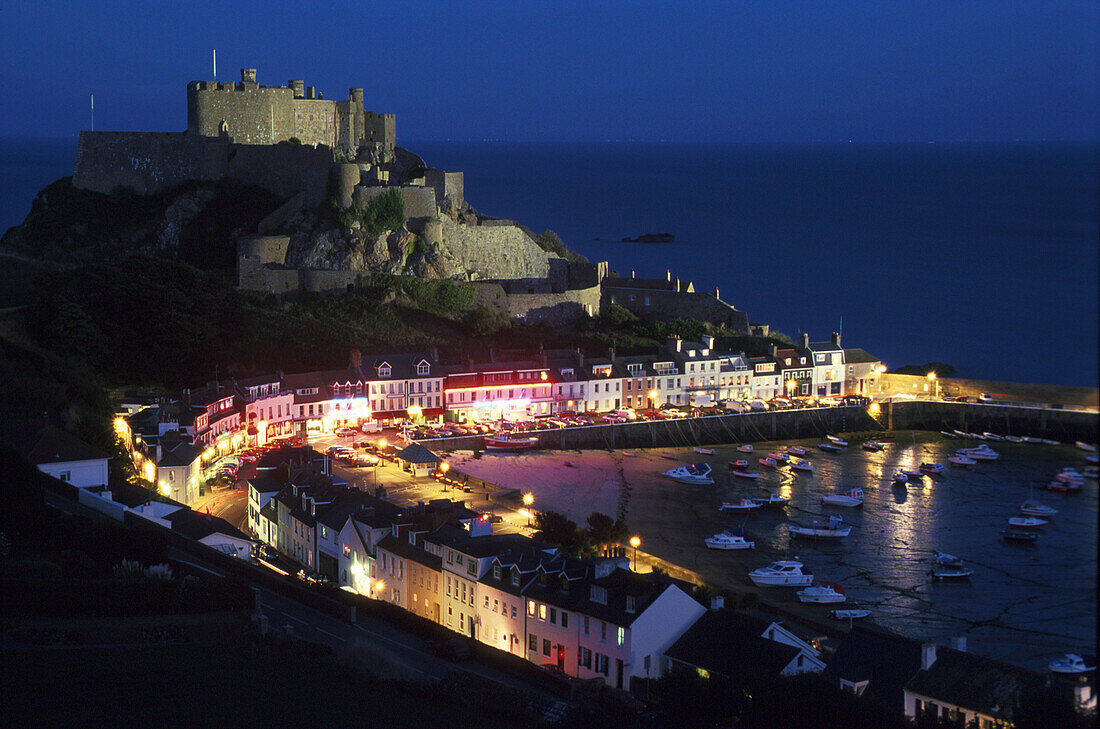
[
  {"x": 1031, "y": 507},
  {"x": 870, "y": 445},
  {"x": 961, "y": 460},
  {"x": 838, "y": 441},
  {"x": 855, "y": 614},
  {"x": 854, "y": 497},
  {"x": 830, "y": 592},
  {"x": 774, "y": 501},
  {"x": 796, "y": 450},
  {"x": 951, "y": 573},
  {"x": 803, "y": 466},
  {"x": 746, "y": 448},
  {"x": 704, "y": 451},
  {"x": 932, "y": 468},
  {"x": 1018, "y": 535},
  {"x": 830, "y": 447},
  {"x": 744, "y": 474},
  {"x": 744, "y": 506},
  {"x": 1027, "y": 522}
]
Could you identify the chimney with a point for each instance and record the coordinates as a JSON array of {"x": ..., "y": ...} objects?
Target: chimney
[
  {"x": 632, "y": 273},
  {"x": 311, "y": 92},
  {"x": 927, "y": 656},
  {"x": 677, "y": 284},
  {"x": 469, "y": 364},
  {"x": 708, "y": 341},
  {"x": 716, "y": 293},
  {"x": 836, "y": 340},
  {"x": 959, "y": 643},
  {"x": 356, "y": 359},
  {"x": 435, "y": 355},
  {"x": 580, "y": 359},
  {"x": 773, "y": 351},
  {"x": 668, "y": 275},
  {"x": 674, "y": 344},
  {"x": 804, "y": 340},
  {"x": 611, "y": 354}
]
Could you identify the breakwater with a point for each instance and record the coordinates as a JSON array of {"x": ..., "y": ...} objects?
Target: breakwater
[{"x": 1062, "y": 425}]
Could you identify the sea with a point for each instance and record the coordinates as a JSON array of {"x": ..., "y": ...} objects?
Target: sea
[{"x": 981, "y": 256}]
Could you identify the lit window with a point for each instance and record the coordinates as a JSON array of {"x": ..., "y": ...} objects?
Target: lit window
[
  {"x": 542, "y": 612},
  {"x": 531, "y": 607}
]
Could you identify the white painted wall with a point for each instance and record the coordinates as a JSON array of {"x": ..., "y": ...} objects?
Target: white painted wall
[
  {"x": 81, "y": 474},
  {"x": 661, "y": 625}
]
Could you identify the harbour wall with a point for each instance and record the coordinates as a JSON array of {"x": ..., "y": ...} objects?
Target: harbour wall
[
  {"x": 1063, "y": 425},
  {"x": 1066, "y": 426}
]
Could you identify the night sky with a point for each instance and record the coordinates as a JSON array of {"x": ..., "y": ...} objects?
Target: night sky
[{"x": 579, "y": 71}]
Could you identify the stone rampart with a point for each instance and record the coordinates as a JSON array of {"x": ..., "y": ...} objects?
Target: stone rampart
[
  {"x": 1062, "y": 425},
  {"x": 555, "y": 309},
  {"x": 661, "y": 305},
  {"x": 255, "y": 276},
  {"x": 146, "y": 162},
  {"x": 446, "y": 185},
  {"x": 419, "y": 201},
  {"x": 318, "y": 280},
  {"x": 264, "y": 249},
  {"x": 150, "y": 162},
  {"x": 492, "y": 252}
]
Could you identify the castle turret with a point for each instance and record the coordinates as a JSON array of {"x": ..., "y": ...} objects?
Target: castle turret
[
  {"x": 298, "y": 87},
  {"x": 355, "y": 96},
  {"x": 248, "y": 77}
]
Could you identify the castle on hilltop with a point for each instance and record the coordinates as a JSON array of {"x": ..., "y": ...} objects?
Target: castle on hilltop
[{"x": 254, "y": 114}]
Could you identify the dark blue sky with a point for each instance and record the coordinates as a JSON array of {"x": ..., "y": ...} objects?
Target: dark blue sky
[{"x": 568, "y": 71}]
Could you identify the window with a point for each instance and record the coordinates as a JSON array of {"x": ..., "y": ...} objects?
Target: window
[
  {"x": 621, "y": 638},
  {"x": 553, "y": 615},
  {"x": 542, "y": 612},
  {"x": 601, "y": 663},
  {"x": 603, "y": 630},
  {"x": 564, "y": 619},
  {"x": 532, "y": 642},
  {"x": 531, "y": 608},
  {"x": 423, "y": 368},
  {"x": 513, "y": 612},
  {"x": 496, "y": 572},
  {"x": 546, "y": 646},
  {"x": 584, "y": 657}
]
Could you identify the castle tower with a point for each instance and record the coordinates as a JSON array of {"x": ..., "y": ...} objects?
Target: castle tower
[{"x": 298, "y": 87}]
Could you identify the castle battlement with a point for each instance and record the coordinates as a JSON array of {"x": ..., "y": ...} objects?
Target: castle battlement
[{"x": 249, "y": 113}]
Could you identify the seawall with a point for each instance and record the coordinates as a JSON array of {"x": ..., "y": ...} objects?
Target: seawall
[{"x": 1063, "y": 425}]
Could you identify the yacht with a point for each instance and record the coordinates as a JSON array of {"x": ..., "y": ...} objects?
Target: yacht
[
  {"x": 827, "y": 593},
  {"x": 796, "y": 450},
  {"x": 851, "y": 498},
  {"x": 932, "y": 468},
  {"x": 835, "y": 528},
  {"x": 695, "y": 473},
  {"x": 840, "y": 442},
  {"x": 1071, "y": 663},
  {"x": 744, "y": 506},
  {"x": 1031, "y": 507},
  {"x": 773, "y": 500},
  {"x": 729, "y": 539},
  {"x": 785, "y": 573},
  {"x": 870, "y": 445},
  {"x": 803, "y": 466}
]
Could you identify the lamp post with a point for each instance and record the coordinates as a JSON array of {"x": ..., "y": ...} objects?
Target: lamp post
[
  {"x": 791, "y": 384},
  {"x": 635, "y": 541},
  {"x": 528, "y": 499},
  {"x": 653, "y": 399},
  {"x": 444, "y": 467},
  {"x": 935, "y": 384}
]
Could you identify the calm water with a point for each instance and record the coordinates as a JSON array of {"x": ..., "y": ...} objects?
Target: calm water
[
  {"x": 982, "y": 256},
  {"x": 1024, "y": 603}
]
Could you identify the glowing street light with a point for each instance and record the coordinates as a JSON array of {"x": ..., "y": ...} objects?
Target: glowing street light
[
  {"x": 635, "y": 541},
  {"x": 444, "y": 467},
  {"x": 528, "y": 499},
  {"x": 653, "y": 399},
  {"x": 935, "y": 385}
]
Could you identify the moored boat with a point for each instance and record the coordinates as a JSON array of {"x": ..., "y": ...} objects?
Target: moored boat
[
  {"x": 944, "y": 559},
  {"x": 853, "y": 497},
  {"x": 744, "y": 474},
  {"x": 933, "y": 467},
  {"x": 900, "y": 477},
  {"x": 739, "y": 463},
  {"x": 1027, "y": 522},
  {"x": 669, "y": 456},
  {"x": 1031, "y": 507},
  {"x": 1071, "y": 663},
  {"x": 780, "y": 458},
  {"x": 854, "y": 614},
  {"x": 992, "y": 436},
  {"x": 729, "y": 539},
  {"x": 796, "y": 450},
  {"x": 979, "y": 453},
  {"x": 835, "y": 528},
  {"x": 784, "y": 573},
  {"x": 744, "y": 506},
  {"x": 773, "y": 500},
  {"x": 870, "y": 445},
  {"x": 958, "y": 460},
  {"x": 694, "y": 473},
  {"x": 830, "y": 447},
  {"x": 1049, "y": 441},
  {"x": 704, "y": 451},
  {"x": 945, "y": 434},
  {"x": 951, "y": 573},
  {"x": 801, "y": 465},
  {"x": 508, "y": 442},
  {"x": 745, "y": 448},
  {"x": 1014, "y": 439},
  {"x": 1016, "y": 535},
  {"x": 830, "y": 592},
  {"x": 769, "y": 462},
  {"x": 913, "y": 475},
  {"x": 1090, "y": 447},
  {"x": 839, "y": 441},
  {"x": 1066, "y": 487}
]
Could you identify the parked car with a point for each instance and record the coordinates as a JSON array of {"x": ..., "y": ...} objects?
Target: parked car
[
  {"x": 985, "y": 397},
  {"x": 345, "y": 432}
]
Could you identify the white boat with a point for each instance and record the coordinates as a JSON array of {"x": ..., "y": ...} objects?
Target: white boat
[
  {"x": 961, "y": 460},
  {"x": 870, "y": 445},
  {"x": 744, "y": 506},
  {"x": 950, "y": 572},
  {"x": 850, "y": 614},
  {"x": 900, "y": 477},
  {"x": 831, "y": 447},
  {"x": 1070, "y": 475},
  {"x": 1070, "y": 663},
  {"x": 980, "y": 453},
  {"x": 1065, "y": 487},
  {"x": 1031, "y": 507},
  {"x": 945, "y": 434},
  {"x": 694, "y": 473},
  {"x": 744, "y": 474},
  {"x": 729, "y": 540},
  {"x": 1048, "y": 441},
  {"x": 796, "y": 450},
  {"x": 827, "y": 593},
  {"x": 509, "y": 442},
  {"x": 943, "y": 559},
  {"x": 1086, "y": 446},
  {"x": 704, "y": 451},
  {"x": 1031, "y": 439},
  {"x": 992, "y": 436},
  {"x": 961, "y": 434},
  {"x": 780, "y": 457},
  {"x": 803, "y": 466},
  {"x": 835, "y": 528},
  {"x": 839, "y": 441},
  {"x": 773, "y": 500},
  {"x": 911, "y": 474},
  {"x": 1092, "y": 458},
  {"x": 1014, "y": 439},
  {"x": 769, "y": 462},
  {"x": 932, "y": 467},
  {"x": 785, "y": 573},
  {"x": 746, "y": 448},
  {"x": 1027, "y": 522},
  {"x": 851, "y": 498}
]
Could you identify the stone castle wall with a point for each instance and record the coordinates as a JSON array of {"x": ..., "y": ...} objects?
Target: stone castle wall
[
  {"x": 419, "y": 201},
  {"x": 554, "y": 309},
  {"x": 661, "y": 305},
  {"x": 493, "y": 252},
  {"x": 149, "y": 162},
  {"x": 318, "y": 280},
  {"x": 446, "y": 184}
]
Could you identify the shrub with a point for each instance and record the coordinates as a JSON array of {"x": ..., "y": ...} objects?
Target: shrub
[
  {"x": 128, "y": 569},
  {"x": 384, "y": 212}
]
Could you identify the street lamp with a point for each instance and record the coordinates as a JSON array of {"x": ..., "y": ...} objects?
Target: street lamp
[
  {"x": 935, "y": 385},
  {"x": 635, "y": 541},
  {"x": 528, "y": 499},
  {"x": 444, "y": 467},
  {"x": 653, "y": 399},
  {"x": 791, "y": 384}
]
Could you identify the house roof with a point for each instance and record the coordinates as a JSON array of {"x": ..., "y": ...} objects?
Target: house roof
[
  {"x": 417, "y": 453},
  {"x": 53, "y": 445},
  {"x": 886, "y": 660},
  {"x": 858, "y": 356},
  {"x": 415, "y": 552},
  {"x": 180, "y": 454},
  {"x": 724, "y": 642},
  {"x": 975, "y": 682},
  {"x": 194, "y": 525}
]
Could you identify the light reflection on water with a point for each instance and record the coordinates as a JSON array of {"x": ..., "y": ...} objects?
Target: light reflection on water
[{"x": 1024, "y": 603}]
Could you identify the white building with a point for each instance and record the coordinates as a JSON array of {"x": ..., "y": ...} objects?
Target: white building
[{"x": 66, "y": 458}]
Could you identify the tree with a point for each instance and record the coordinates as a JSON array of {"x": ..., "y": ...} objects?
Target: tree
[
  {"x": 600, "y": 529},
  {"x": 555, "y": 528}
]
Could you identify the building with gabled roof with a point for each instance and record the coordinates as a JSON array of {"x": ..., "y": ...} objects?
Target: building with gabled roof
[
  {"x": 828, "y": 361},
  {"x": 720, "y": 644},
  {"x": 65, "y": 457},
  {"x": 212, "y": 531},
  {"x": 876, "y": 664}
]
